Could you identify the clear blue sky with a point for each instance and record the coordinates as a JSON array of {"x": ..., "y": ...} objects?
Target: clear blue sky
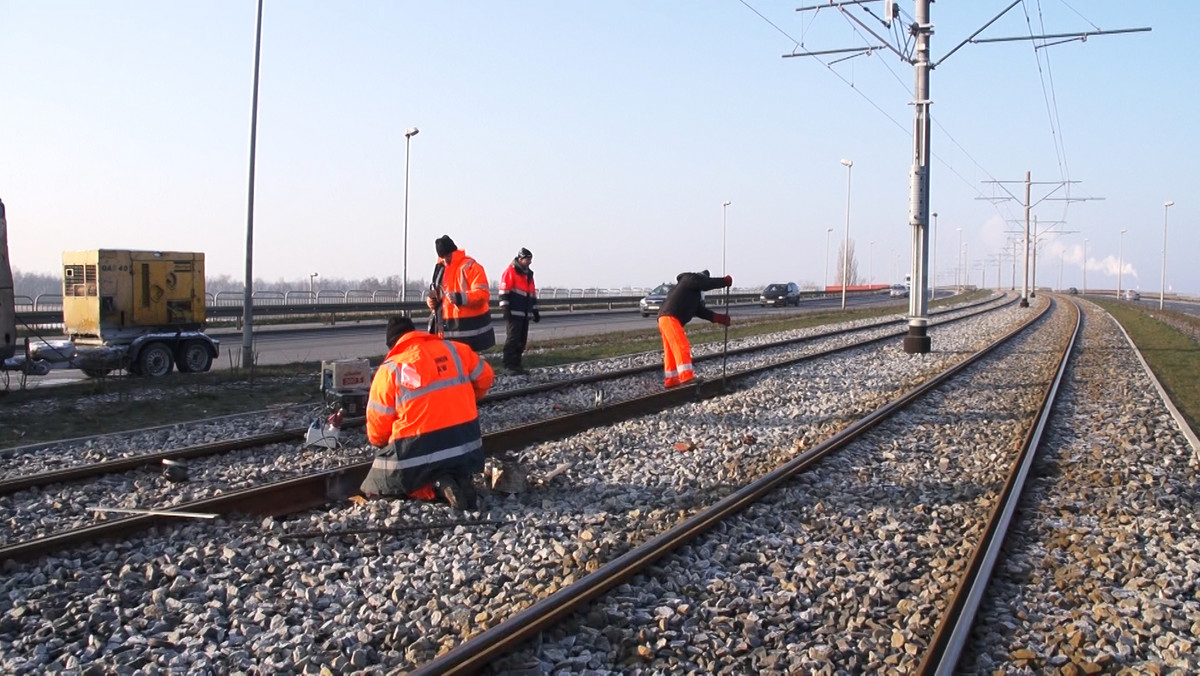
[{"x": 602, "y": 136}]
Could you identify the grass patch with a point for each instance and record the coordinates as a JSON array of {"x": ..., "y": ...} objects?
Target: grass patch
[
  {"x": 1172, "y": 353},
  {"x": 113, "y": 404}
]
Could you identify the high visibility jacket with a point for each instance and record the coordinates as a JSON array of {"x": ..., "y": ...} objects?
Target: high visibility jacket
[
  {"x": 470, "y": 321},
  {"x": 422, "y": 413},
  {"x": 517, "y": 290},
  {"x": 686, "y": 300}
]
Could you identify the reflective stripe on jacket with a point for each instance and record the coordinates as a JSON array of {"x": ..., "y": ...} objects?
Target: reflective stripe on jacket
[
  {"x": 422, "y": 412},
  {"x": 517, "y": 290},
  {"x": 470, "y": 323}
]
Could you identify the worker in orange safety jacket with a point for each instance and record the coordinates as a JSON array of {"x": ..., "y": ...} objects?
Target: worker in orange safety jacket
[
  {"x": 459, "y": 297},
  {"x": 518, "y": 300},
  {"x": 685, "y": 301},
  {"x": 422, "y": 416}
]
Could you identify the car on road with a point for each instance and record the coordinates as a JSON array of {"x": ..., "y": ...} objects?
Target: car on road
[
  {"x": 653, "y": 301},
  {"x": 781, "y": 293},
  {"x": 1130, "y": 294},
  {"x": 898, "y": 291},
  {"x": 1073, "y": 291}
]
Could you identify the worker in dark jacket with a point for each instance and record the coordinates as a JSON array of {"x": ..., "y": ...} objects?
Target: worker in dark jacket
[
  {"x": 518, "y": 300},
  {"x": 685, "y": 301},
  {"x": 422, "y": 416}
]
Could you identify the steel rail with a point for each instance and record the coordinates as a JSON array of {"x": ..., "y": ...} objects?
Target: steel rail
[
  {"x": 315, "y": 489},
  {"x": 952, "y": 632},
  {"x": 77, "y": 473},
  {"x": 497, "y": 641}
]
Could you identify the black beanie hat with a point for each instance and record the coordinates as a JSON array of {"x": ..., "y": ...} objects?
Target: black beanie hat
[
  {"x": 396, "y": 327},
  {"x": 444, "y": 246},
  {"x": 705, "y": 273},
  {"x": 524, "y": 253}
]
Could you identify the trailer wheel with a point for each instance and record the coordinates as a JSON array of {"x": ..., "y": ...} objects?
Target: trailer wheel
[
  {"x": 193, "y": 357},
  {"x": 95, "y": 373},
  {"x": 155, "y": 360}
]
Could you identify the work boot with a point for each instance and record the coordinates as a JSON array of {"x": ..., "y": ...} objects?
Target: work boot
[
  {"x": 460, "y": 495},
  {"x": 516, "y": 371}
]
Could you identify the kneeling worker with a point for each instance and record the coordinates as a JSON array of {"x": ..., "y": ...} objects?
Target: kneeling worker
[
  {"x": 422, "y": 416},
  {"x": 685, "y": 301}
]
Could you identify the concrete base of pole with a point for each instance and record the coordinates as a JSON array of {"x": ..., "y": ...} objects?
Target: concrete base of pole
[
  {"x": 917, "y": 341},
  {"x": 1024, "y": 302}
]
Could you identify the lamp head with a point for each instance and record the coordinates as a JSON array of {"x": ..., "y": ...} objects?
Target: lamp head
[
  {"x": 726, "y": 203},
  {"x": 848, "y": 163},
  {"x": 411, "y": 132},
  {"x": 1169, "y": 203}
]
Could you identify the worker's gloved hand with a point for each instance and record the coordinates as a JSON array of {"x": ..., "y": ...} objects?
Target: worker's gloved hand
[
  {"x": 458, "y": 298},
  {"x": 728, "y": 280},
  {"x": 721, "y": 319},
  {"x": 537, "y": 316},
  {"x": 431, "y": 298}
]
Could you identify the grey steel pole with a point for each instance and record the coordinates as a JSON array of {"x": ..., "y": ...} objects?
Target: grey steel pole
[
  {"x": 724, "y": 214},
  {"x": 958, "y": 271},
  {"x": 1085, "y": 241},
  {"x": 247, "y": 301},
  {"x": 1013, "y": 280},
  {"x": 1120, "y": 261},
  {"x": 846, "y": 242},
  {"x": 1025, "y": 277},
  {"x": 825, "y": 281},
  {"x": 408, "y": 134},
  {"x": 917, "y": 340},
  {"x": 1033, "y": 266},
  {"x": 1162, "y": 289}
]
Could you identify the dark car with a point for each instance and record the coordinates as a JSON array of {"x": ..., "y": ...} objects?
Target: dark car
[
  {"x": 654, "y": 300},
  {"x": 780, "y": 294}
]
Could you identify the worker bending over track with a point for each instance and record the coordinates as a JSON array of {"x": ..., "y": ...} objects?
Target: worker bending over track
[{"x": 685, "y": 301}]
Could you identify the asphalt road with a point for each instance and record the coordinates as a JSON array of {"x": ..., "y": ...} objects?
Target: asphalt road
[{"x": 317, "y": 342}]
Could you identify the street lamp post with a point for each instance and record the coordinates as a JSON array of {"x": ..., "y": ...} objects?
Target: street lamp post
[
  {"x": 1085, "y": 241},
  {"x": 849, "y": 164},
  {"x": 933, "y": 271},
  {"x": 724, "y": 220},
  {"x": 408, "y": 134},
  {"x": 871, "y": 262},
  {"x": 1162, "y": 289},
  {"x": 825, "y": 281},
  {"x": 312, "y": 285},
  {"x": 958, "y": 265},
  {"x": 1120, "y": 261}
]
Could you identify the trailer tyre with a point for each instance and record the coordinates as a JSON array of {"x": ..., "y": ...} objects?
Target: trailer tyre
[
  {"x": 193, "y": 357},
  {"x": 155, "y": 360}
]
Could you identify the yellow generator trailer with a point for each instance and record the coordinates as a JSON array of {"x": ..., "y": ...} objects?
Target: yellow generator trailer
[{"x": 139, "y": 310}]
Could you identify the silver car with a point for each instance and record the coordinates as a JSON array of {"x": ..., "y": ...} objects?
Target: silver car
[{"x": 653, "y": 301}]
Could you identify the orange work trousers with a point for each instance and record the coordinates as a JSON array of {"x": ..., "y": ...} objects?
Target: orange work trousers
[{"x": 677, "y": 352}]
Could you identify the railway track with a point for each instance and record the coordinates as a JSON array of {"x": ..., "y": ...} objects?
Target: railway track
[
  {"x": 847, "y": 566},
  {"x": 45, "y": 525},
  {"x": 934, "y": 564}
]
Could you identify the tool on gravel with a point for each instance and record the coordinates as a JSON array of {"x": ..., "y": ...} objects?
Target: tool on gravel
[{"x": 155, "y": 512}]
